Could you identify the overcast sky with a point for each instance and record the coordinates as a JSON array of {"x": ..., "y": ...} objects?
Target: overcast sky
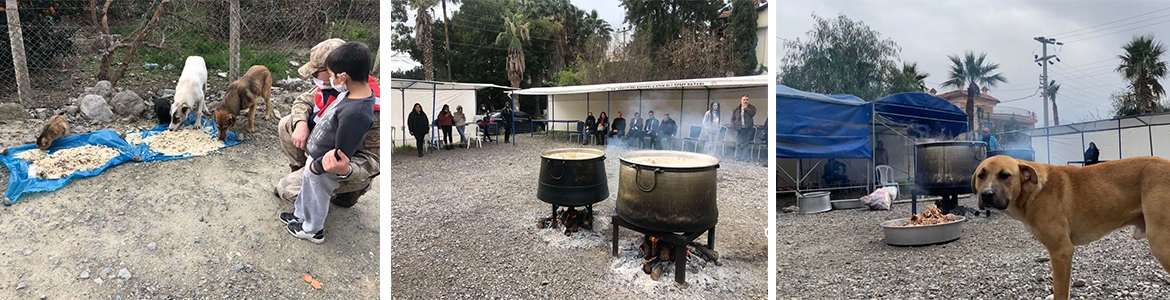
[
  {"x": 928, "y": 31},
  {"x": 609, "y": 10}
]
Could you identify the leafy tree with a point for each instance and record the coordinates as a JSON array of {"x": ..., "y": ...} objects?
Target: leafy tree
[
  {"x": 840, "y": 56},
  {"x": 1142, "y": 66},
  {"x": 743, "y": 31},
  {"x": 665, "y": 20},
  {"x": 907, "y": 79},
  {"x": 971, "y": 71}
]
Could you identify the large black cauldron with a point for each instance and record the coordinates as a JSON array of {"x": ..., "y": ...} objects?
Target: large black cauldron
[{"x": 572, "y": 177}]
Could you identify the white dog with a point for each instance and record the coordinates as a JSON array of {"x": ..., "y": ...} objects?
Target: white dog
[{"x": 189, "y": 93}]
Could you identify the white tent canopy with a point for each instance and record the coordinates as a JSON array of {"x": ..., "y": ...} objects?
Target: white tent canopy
[
  {"x": 686, "y": 100},
  {"x": 432, "y": 95},
  {"x": 1126, "y": 137}
]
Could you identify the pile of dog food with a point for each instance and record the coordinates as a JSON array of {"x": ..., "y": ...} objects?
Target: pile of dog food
[
  {"x": 66, "y": 161},
  {"x": 179, "y": 142},
  {"x": 931, "y": 216}
]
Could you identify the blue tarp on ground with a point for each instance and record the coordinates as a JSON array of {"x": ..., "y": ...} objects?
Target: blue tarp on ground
[
  {"x": 923, "y": 109},
  {"x": 19, "y": 181},
  {"x": 812, "y": 125},
  {"x": 144, "y": 152}
]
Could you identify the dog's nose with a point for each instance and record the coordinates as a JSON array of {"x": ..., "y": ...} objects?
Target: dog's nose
[{"x": 987, "y": 196}]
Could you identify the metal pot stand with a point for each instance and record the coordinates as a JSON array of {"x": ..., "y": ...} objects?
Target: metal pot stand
[{"x": 678, "y": 241}]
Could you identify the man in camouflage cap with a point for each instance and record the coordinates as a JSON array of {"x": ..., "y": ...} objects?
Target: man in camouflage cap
[{"x": 306, "y": 109}]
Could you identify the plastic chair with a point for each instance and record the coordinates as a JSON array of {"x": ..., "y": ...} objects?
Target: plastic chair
[
  {"x": 580, "y": 132},
  {"x": 693, "y": 138},
  {"x": 472, "y": 132},
  {"x": 393, "y": 143},
  {"x": 759, "y": 144},
  {"x": 887, "y": 176}
]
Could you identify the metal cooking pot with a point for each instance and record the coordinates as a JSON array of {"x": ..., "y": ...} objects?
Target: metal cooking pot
[
  {"x": 946, "y": 167},
  {"x": 1024, "y": 154},
  {"x": 669, "y": 191},
  {"x": 572, "y": 177}
]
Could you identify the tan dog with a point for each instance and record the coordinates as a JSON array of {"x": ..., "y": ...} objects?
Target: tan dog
[
  {"x": 242, "y": 93},
  {"x": 56, "y": 128},
  {"x": 1065, "y": 206}
]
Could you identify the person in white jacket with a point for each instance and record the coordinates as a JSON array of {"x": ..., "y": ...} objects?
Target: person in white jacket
[{"x": 711, "y": 127}]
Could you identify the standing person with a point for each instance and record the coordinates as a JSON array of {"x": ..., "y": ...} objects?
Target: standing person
[
  {"x": 338, "y": 136},
  {"x": 669, "y": 128},
  {"x": 461, "y": 124},
  {"x": 651, "y": 129},
  {"x": 742, "y": 119},
  {"x": 307, "y": 110},
  {"x": 446, "y": 121},
  {"x": 602, "y": 128},
  {"x": 590, "y": 123},
  {"x": 419, "y": 127},
  {"x": 506, "y": 114},
  {"x": 1092, "y": 155},
  {"x": 618, "y": 127},
  {"x": 711, "y": 126},
  {"x": 988, "y": 138}
]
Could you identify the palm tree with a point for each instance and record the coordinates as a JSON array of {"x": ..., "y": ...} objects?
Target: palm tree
[
  {"x": 1052, "y": 90},
  {"x": 971, "y": 72},
  {"x": 908, "y": 79},
  {"x": 422, "y": 34},
  {"x": 1142, "y": 65},
  {"x": 597, "y": 25},
  {"x": 514, "y": 35}
]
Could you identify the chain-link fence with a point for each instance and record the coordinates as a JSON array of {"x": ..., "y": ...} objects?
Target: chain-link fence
[{"x": 72, "y": 44}]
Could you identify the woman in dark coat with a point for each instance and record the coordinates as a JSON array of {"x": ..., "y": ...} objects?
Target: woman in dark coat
[
  {"x": 602, "y": 128},
  {"x": 1092, "y": 155},
  {"x": 419, "y": 125}
]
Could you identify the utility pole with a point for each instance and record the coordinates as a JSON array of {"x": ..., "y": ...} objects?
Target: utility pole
[{"x": 1044, "y": 61}]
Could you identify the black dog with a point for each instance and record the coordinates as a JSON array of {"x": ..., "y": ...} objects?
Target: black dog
[{"x": 162, "y": 110}]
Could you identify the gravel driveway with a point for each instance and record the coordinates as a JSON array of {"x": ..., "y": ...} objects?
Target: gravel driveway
[
  {"x": 204, "y": 227},
  {"x": 841, "y": 254},
  {"x": 464, "y": 226}
]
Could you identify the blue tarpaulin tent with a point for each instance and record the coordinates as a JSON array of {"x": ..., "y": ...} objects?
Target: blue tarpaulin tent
[
  {"x": 811, "y": 125},
  {"x": 923, "y": 109}
]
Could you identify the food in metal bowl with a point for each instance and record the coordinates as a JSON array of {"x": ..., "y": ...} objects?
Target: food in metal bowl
[
  {"x": 66, "y": 161},
  {"x": 931, "y": 216},
  {"x": 669, "y": 161},
  {"x": 179, "y": 142},
  {"x": 572, "y": 155}
]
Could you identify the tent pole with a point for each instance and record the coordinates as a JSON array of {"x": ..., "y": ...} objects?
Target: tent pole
[
  {"x": 512, "y": 125},
  {"x": 1119, "y": 141},
  {"x": 680, "y": 113},
  {"x": 404, "y": 117},
  {"x": 872, "y": 160},
  {"x": 434, "y": 101},
  {"x": 608, "y": 111},
  {"x": 1150, "y": 131},
  {"x": 587, "y": 102},
  {"x": 639, "y": 102}
]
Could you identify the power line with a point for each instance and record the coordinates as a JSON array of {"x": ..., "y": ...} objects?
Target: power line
[
  {"x": 1115, "y": 27},
  {"x": 1123, "y": 30},
  {"x": 1111, "y": 22}
]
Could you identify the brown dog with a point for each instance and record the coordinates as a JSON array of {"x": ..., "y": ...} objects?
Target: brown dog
[
  {"x": 1065, "y": 206},
  {"x": 242, "y": 93},
  {"x": 56, "y": 128}
]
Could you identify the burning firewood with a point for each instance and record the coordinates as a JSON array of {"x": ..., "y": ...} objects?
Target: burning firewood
[
  {"x": 707, "y": 253},
  {"x": 571, "y": 219}
]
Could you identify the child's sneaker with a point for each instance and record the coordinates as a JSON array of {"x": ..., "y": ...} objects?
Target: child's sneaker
[
  {"x": 296, "y": 230},
  {"x": 289, "y": 218}
]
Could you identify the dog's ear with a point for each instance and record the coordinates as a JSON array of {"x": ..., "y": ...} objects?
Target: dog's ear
[
  {"x": 975, "y": 180},
  {"x": 1028, "y": 174}
]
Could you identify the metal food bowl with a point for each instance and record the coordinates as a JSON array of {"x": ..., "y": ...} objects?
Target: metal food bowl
[
  {"x": 922, "y": 235},
  {"x": 847, "y": 204},
  {"x": 815, "y": 202}
]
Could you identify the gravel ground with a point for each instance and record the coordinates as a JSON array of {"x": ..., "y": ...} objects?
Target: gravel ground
[
  {"x": 465, "y": 227},
  {"x": 841, "y": 254},
  {"x": 203, "y": 227}
]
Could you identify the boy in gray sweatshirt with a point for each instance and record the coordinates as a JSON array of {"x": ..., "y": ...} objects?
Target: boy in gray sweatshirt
[{"x": 341, "y": 133}]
